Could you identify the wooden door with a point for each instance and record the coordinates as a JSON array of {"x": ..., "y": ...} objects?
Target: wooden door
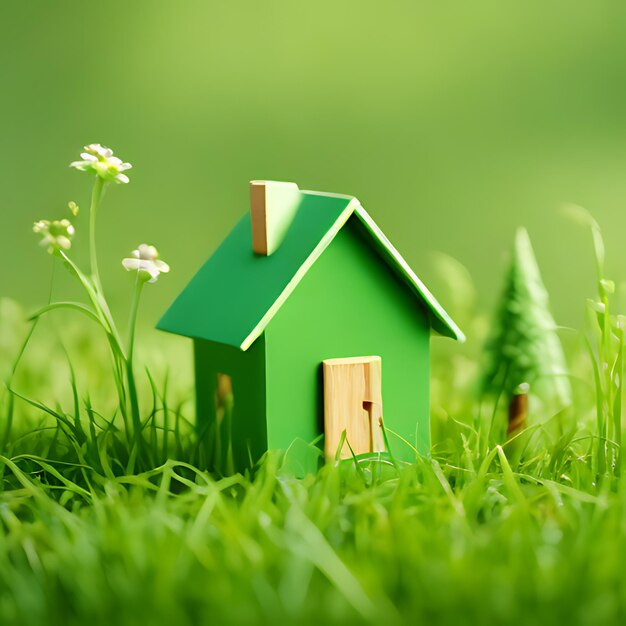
[{"x": 353, "y": 403}]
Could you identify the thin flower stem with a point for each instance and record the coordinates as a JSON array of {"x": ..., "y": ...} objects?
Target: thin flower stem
[
  {"x": 134, "y": 308},
  {"x": 9, "y": 383},
  {"x": 118, "y": 355},
  {"x": 96, "y": 196},
  {"x": 32, "y": 328},
  {"x": 132, "y": 387},
  {"x": 98, "y": 303}
]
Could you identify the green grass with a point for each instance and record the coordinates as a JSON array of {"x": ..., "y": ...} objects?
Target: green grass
[
  {"x": 96, "y": 528},
  {"x": 330, "y": 549},
  {"x": 524, "y": 533}
]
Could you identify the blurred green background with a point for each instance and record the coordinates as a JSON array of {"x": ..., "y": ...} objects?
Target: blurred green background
[{"x": 453, "y": 122}]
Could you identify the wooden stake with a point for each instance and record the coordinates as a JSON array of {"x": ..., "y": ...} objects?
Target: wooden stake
[
  {"x": 353, "y": 403},
  {"x": 273, "y": 206},
  {"x": 518, "y": 413},
  {"x": 258, "y": 216}
]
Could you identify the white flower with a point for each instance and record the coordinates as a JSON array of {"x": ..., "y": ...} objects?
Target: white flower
[
  {"x": 56, "y": 235},
  {"x": 100, "y": 160},
  {"x": 145, "y": 259},
  {"x": 98, "y": 150}
]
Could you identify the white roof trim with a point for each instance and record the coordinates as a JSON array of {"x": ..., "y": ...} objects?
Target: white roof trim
[
  {"x": 299, "y": 275},
  {"x": 354, "y": 206},
  {"x": 409, "y": 274}
]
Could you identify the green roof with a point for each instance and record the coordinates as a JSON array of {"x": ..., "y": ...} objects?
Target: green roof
[{"x": 236, "y": 293}]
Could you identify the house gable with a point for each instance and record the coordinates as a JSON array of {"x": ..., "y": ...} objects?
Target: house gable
[
  {"x": 236, "y": 294},
  {"x": 350, "y": 303},
  {"x": 231, "y": 296}
]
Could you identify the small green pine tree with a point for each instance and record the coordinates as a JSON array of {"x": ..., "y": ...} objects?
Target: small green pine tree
[{"x": 524, "y": 350}]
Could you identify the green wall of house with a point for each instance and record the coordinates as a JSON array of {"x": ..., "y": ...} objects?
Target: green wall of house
[
  {"x": 240, "y": 438},
  {"x": 348, "y": 304}
]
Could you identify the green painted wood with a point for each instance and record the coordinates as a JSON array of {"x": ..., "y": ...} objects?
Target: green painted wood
[
  {"x": 241, "y": 438},
  {"x": 251, "y": 288},
  {"x": 235, "y": 288},
  {"x": 281, "y": 205},
  {"x": 440, "y": 321},
  {"x": 322, "y": 294},
  {"x": 348, "y": 304}
]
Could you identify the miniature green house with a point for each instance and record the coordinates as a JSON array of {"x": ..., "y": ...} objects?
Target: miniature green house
[{"x": 302, "y": 279}]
